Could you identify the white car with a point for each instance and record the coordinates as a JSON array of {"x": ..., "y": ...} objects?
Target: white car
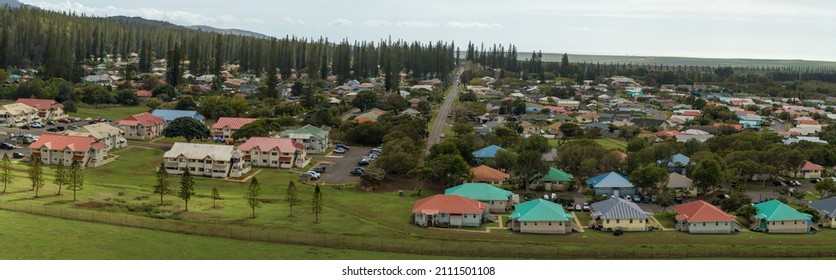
[{"x": 313, "y": 175}]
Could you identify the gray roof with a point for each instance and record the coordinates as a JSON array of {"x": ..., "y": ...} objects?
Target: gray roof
[
  {"x": 618, "y": 208},
  {"x": 826, "y": 206}
]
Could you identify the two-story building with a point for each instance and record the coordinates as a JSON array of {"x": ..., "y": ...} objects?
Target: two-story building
[
  {"x": 141, "y": 126},
  {"x": 208, "y": 160},
  {"x": 110, "y": 135},
  {"x": 54, "y": 148},
  {"x": 225, "y": 127},
  {"x": 48, "y": 109},
  {"x": 18, "y": 114},
  {"x": 315, "y": 139},
  {"x": 274, "y": 152}
]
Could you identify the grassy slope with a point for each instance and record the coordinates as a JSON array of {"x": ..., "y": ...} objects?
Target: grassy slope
[
  {"x": 112, "y": 113},
  {"x": 34, "y": 237}
]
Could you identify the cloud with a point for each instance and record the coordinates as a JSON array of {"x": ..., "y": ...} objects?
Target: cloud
[
  {"x": 410, "y": 24},
  {"x": 341, "y": 22},
  {"x": 480, "y": 25}
]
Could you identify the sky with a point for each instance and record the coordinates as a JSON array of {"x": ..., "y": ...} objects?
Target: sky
[{"x": 765, "y": 29}]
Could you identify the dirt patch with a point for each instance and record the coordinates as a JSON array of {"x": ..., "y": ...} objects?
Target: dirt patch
[{"x": 92, "y": 205}]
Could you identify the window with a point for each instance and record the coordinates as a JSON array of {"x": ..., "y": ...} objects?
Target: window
[
  {"x": 782, "y": 223},
  {"x": 717, "y": 223},
  {"x": 617, "y": 221},
  {"x": 275, "y": 153},
  {"x": 525, "y": 223},
  {"x": 550, "y": 223},
  {"x": 631, "y": 221},
  {"x": 535, "y": 223}
]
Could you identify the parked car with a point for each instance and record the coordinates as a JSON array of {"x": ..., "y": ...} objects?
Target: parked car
[
  {"x": 796, "y": 183},
  {"x": 364, "y": 162},
  {"x": 647, "y": 199},
  {"x": 678, "y": 199},
  {"x": 778, "y": 183},
  {"x": 18, "y": 155},
  {"x": 586, "y": 206},
  {"x": 378, "y": 149},
  {"x": 64, "y": 120},
  {"x": 24, "y": 126},
  {"x": 52, "y": 129},
  {"x": 60, "y": 128},
  {"x": 358, "y": 171},
  {"x": 36, "y": 125},
  {"x": 814, "y": 180},
  {"x": 314, "y": 175},
  {"x": 339, "y": 151},
  {"x": 578, "y": 207},
  {"x": 50, "y": 122},
  {"x": 7, "y": 146},
  {"x": 628, "y": 198},
  {"x": 637, "y": 198},
  {"x": 342, "y": 146},
  {"x": 319, "y": 169},
  {"x": 570, "y": 207}
]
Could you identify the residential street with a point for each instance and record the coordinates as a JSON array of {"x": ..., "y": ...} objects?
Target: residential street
[{"x": 438, "y": 126}]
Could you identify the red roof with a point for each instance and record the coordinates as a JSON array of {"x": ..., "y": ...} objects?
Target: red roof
[
  {"x": 556, "y": 109},
  {"x": 442, "y": 203},
  {"x": 362, "y": 119},
  {"x": 143, "y": 93},
  {"x": 232, "y": 123},
  {"x": 41, "y": 104},
  {"x": 701, "y": 211},
  {"x": 733, "y": 125},
  {"x": 283, "y": 145},
  {"x": 808, "y": 122},
  {"x": 692, "y": 113},
  {"x": 63, "y": 142},
  {"x": 146, "y": 119},
  {"x": 809, "y": 166}
]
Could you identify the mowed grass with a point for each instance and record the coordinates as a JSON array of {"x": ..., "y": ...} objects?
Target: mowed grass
[
  {"x": 35, "y": 237},
  {"x": 607, "y": 143},
  {"x": 111, "y": 113}
]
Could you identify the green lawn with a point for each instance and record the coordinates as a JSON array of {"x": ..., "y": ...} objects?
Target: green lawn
[
  {"x": 112, "y": 113},
  {"x": 609, "y": 144},
  {"x": 666, "y": 219}
]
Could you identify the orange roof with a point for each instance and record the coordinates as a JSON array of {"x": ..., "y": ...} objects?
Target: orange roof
[
  {"x": 232, "y": 123},
  {"x": 809, "y": 122},
  {"x": 41, "y": 104},
  {"x": 143, "y": 93},
  {"x": 746, "y": 112},
  {"x": 734, "y": 125},
  {"x": 484, "y": 173},
  {"x": 556, "y": 109},
  {"x": 63, "y": 142},
  {"x": 809, "y": 166},
  {"x": 283, "y": 145},
  {"x": 362, "y": 119},
  {"x": 668, "y": 133},
  {"x": 453, "y": 204},
  {"x": 146, "y": 119},
  {"x": 701, "y": 211},
  {"x": 692, "y": 113}
]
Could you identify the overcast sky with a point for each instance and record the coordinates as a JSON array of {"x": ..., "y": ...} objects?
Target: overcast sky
[{"x": 799, "y": 29}]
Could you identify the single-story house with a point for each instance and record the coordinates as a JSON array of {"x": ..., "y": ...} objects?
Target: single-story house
[
  {"x": 618, "y": 213},
  {"x": 498, "y": 199},
  {"x": 486, "y": 153},
  {"x": 681, "y": 184},
  {"x": 540, "y": 216},
  {"x": 449, "y": 210},
  {"x": 612, "y": 183},
  {"x": 556, "y": 179},
  {"x": 827, "y": 209},
  {"x": 489, "y": 175},
  {"x": 776, "y": 217},
  {"x": 701, "y": 217},
  {"x": 676, "y": 163},
  {"x": 810, "y": 171}
]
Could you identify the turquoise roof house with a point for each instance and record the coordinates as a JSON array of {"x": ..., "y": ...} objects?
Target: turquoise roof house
[
  {"x": 541, "y": 216},
  {"x": 498, "y": 199},
  {"x": 776, "y": 217}
]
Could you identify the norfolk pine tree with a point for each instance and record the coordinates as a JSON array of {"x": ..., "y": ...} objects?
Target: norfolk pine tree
[
  {"x": 317, "y": 203},
  {"x": 6, "y": 171},
  {"x": 162, "y": 182},
  {"x": 75, "y": 179},
  {"x": 253, "y": 195},
  {"x": 186, "y": 188},
  {"x": 215, "y": 196},
  {"x": 36, "y": 174},
  {"x": 61, "y": 178},
  {"x": 292, "y": 196}
]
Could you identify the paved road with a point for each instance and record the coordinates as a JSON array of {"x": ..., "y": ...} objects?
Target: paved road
[
  {"x": 339, "y": 167},
  {"x": 438, "y": 126}
]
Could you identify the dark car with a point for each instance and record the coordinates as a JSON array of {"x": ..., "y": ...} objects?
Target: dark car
[
  {"x": 24, "y": 127},
  {"x": 358, "y": 171},
  {"x": 50, "y": 122},
  {"x": 18, "y": 155},
  {"x": 319, "y": 169},
  {"x": 52, "y": 129},
  {"x": 814, "y": 180},
  {"x": 60, "y": 128},
  {"x": 678, "y": 199},
  {"x": 778, "y": 183},
  {"x": 7, "y": 146},
  {"x": 342, "y": 146},
  {"x": 647, "y": 199}
]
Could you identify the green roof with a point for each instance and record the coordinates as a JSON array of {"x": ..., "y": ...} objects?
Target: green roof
[
  {"x": 540, "y": 210},
  {"x": 479, "y": 191},
  {"x": 774, "y": 210},
  {"x": 557, "y": 175},
  {"x": 308, "y": 129}
]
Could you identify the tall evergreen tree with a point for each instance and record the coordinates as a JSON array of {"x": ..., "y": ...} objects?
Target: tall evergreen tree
[
  {"x": 61, "y": 176},
  {"x": 36, "y": 174},
  {"x": 75, "y": 178},
  {"x": 292, "y": 196},
  {"x": 6, "y": 171},
  {"x": 218, "y": 59},
  {"x": 316, "y": 203},
  {"x": 161, "y": 187},
  {"x": 186, "y": 188},
  {"x": 215, "y": 196},
  {"x": 254, "y": 195}
]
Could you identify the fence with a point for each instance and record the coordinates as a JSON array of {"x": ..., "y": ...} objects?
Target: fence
[{"x": 407, "y": 244}]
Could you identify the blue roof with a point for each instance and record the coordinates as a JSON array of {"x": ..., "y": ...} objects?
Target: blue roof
[
  {"x": 609, "y": 180},
  {"x": 677, "y": 160},
  {"x": 487, "y": 152},
  {"x": 170, "y": 115}
]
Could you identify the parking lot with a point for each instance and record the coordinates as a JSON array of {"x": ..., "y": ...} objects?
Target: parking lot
[{"x": 339, "y": 167}]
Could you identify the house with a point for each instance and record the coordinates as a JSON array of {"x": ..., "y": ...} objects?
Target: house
[
  {"x": 449, "y": 210},
  {"x": 141, "y": 126},
  {"x": 529, "y": 128},
  {"x": 587, "y": 118},
  {"x": 814, "y": 139},
  {"x": 18, "y": 114},
  {"x": 54, "y": 148},
  {"x": 810, "y": 171},
  {"x": 498, "y": 199},
  {"x": 48, "y": 109},
  {"x": 208, "y": 160},
  {"x": 776, "y": 217},
  {"x": 143, "y": 95},
  {"x": 170, "y": 115},
  {"x": 649, "y": 123},
  {"x": 676, "y": 163},
  {"x": 556, "y": 179},
  {"x": 540, "y": 216},
  {"x": 612, "y": 183},
  {"x": 686, "y": 137},
  {"x": 315, "y": 139},
  {"x": 110, "y": 135},
  {"x": 827, "y": 209},
  {"x": 489, "y": 175},
  {"x": 274, "y": 152},
  {"x": 486, "y": 153},
  {"x": 702, "y": 217},
  {"x": 225, "y": 127},
  {"x": 554, "y": 129},
  {"x": 618, "y": 213},
  {"x": 681, "y": 185}
]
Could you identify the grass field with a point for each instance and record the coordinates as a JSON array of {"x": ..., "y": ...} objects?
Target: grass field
[
  {"x": 609, "y": 144},
  {"x": 111, "y": 113},
  {"x": 371, "y": 221}
]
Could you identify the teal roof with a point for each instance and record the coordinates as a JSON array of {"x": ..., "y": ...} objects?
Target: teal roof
[
  {"x": 557, "y": 175},
  {"x": 774, "y": 210},
  {"x": 540, "y": 210},
  {"x": 479, "y": 191},
  {"x": 487, "y": 152},
  {"x": 308, "y": 129}
]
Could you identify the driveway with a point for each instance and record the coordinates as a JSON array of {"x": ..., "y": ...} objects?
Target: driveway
[{"x": 339, "y": 167}]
